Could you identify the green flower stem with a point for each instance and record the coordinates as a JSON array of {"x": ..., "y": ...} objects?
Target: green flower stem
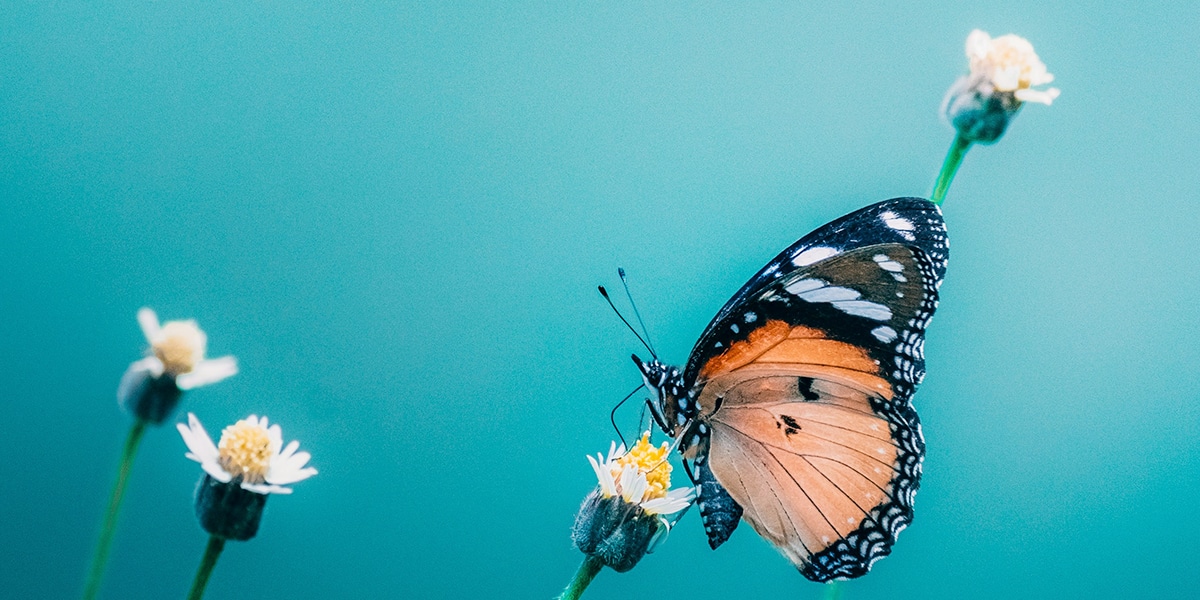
[
  {"x": 100, "y": 558},
  {"x": 954, "y": 158},
  {"x": 833, "y": 590},
  {"x": 587, "y": 572},
  {"x": 211, "y": 553}
]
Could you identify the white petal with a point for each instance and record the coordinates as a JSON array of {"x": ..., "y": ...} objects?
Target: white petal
[
  {"x": 275, "y": 434},
  {"x": 216, "y": 471},
  {"x": 607, "y": 486},
  {"x": 979, "y": 44},
  {"x": 289, "y": 450},
  {"x": 682, "y": 493},
  {"x": 148, "y": 322},
  {"x": 1007, "y": 80},
  {"x": 1042, "y": 97},
  {"x": 197, "y": 440},
  {"x": 150, "y": 364},
  {"x": 291, "y": 469},
  {"x": 675, "y": 501},
  {"x": 615, "y": 451},
  {"x": 625, "y": 480},
  {"x": 297, "y": 460},
  {"x": 207, "y": 372},
  {"x": 290, "y": 476},
  {"x": 265, "y": 489},
  {"x": 186, "y": 434},
  {"x": 665, "y": 506},
  {"x": 633, "y": 484}
]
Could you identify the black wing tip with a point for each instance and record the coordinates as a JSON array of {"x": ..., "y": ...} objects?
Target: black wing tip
[{"x": 914, "y": 203}]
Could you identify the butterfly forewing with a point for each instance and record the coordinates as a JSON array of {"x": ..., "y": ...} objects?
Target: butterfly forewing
[{"x": 910, "y": 222}]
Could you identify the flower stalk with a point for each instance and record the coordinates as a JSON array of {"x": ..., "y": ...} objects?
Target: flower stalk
[
  {"x": 107, "y": 531},
  {"x": 954, "y": 158},
  {"x": 833, "y": 590},
  {"x": 583, "y": 577},
  {"x": 211, "y": 553}
]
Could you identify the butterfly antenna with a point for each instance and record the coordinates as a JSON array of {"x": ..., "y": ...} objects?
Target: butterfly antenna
[
  {"x": 604, "y": 292},
  {"x": 612, "y": 416},
  {"x": 636, "y": 313}
]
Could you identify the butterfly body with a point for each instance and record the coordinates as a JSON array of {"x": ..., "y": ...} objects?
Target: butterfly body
[{"x": 794, "y": 410}]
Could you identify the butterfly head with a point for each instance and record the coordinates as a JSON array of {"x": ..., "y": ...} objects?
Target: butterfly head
[{"x": 672, "y": 407}]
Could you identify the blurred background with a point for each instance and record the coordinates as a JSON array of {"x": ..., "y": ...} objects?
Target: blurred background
[{"x": 396, "y": 215}]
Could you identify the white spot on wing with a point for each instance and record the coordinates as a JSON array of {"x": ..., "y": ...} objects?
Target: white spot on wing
[
  {"x": 887, "y": 264},
  {"x": 901, "y": 225},
  {"x": 896, "y": 222},
  {"x": 884, "y": 334},
  {"x": 830, "y": 294},
  {"x": 804, "y": 285},
  {"x": 865, "y": 308},
  {"x": 812, "y": 255},
  {"x": 844, "y": 299}
]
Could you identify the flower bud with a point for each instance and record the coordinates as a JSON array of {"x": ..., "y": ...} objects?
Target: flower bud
[
  {"x": 147, "y": 392},
  {"x": 1003, "y": 73},
  {"x": 977, "y": 111},
  {"x": 622, "y": 520},
  {"x": 616, "y": 532},
  {"x": 228, "y": 511}
]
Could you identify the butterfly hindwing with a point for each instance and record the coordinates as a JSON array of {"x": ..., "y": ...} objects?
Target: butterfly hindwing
[{"x": 826, "y": 472}]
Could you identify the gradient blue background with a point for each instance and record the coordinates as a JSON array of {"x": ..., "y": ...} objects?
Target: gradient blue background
[{"x": 395, "y": 217}]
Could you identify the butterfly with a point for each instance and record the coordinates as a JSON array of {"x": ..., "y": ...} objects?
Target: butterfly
[{"x": 794, "y": 410}]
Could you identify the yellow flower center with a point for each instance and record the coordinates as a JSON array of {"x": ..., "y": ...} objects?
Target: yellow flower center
[
  {"x": 245, "y": 450},
  {"x": 1013, "y": 54},
  {"x": 179, "y": 345},
  {"x": 650, "y": 461}
]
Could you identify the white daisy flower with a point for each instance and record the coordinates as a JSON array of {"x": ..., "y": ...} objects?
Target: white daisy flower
[
  {"x": 1003, "y": 73},
  {"x": 1009, "y": 64},
  {"x": 641, "y": 476},
  {"x": 177, "y": 348},
  {"x": 634, "y": 508},
  {"x": 250, "y": 452}
]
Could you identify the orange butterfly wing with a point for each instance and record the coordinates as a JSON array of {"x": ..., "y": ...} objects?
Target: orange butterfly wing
[
  {"x": 814, "y": 437},
  {"x": 817, "y": 478}
]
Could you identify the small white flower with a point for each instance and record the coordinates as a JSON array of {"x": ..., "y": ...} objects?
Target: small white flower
[
  {"x": 250, "y": 451},
  {"x": 177, "y": 348},
  {"x": 1009, "y": 64},
  {"x": 625, "y": 474}
]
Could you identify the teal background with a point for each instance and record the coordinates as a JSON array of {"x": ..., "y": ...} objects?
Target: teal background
[{"x": 395, "y": 215}]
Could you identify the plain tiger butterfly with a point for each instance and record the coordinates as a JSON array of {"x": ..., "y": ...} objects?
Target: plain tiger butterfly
[{"x": 794, "y": 411}]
